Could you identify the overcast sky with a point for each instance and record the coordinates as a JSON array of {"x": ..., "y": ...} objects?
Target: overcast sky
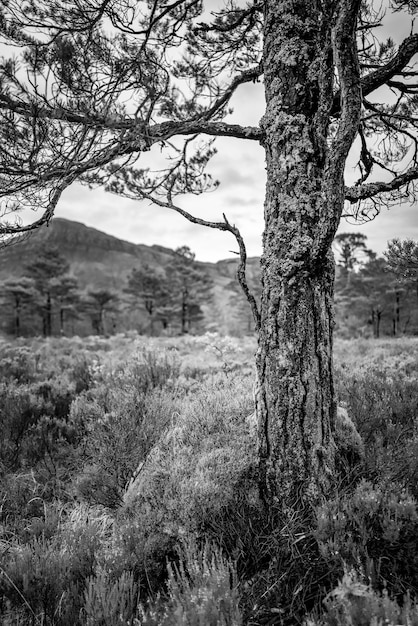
[{"x": 239, "y": 165}]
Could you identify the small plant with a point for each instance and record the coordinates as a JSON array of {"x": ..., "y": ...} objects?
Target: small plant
[
  {"x": 202, "y": 590},
  {"x": 354, "y": 603},
  {"x": 109, "y": 602},
  {"x": 225, "y": 349}
]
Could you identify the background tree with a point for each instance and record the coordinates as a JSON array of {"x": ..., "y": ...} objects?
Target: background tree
[
  {"x": 149, "y": 287},
  {"x": 97, "y": 304},
  {"x": 188, "y": 288},
  {"x": 17, "y": 293},
  {"x": 351, "y": 251},
  {"x": 402, "y": 259},
  {"x": 372, "y": 285},
  {"x": 97, "y": 86},
  {"x": 239, "y": 313},
  {"x": 375, "y": 298},
  {"x": 64, "y": 290},
  {"x": 46, "y": 270}
]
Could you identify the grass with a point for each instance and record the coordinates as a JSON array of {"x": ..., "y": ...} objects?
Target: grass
[{"x": 128, "y": 490}]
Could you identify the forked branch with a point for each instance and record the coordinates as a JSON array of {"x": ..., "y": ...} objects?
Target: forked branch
[{"x": 224, "y": 226}]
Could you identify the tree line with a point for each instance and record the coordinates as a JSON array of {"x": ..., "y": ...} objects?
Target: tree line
[
  {"x": 47, "y": 299},
  {"x": 376, "y": 296}
]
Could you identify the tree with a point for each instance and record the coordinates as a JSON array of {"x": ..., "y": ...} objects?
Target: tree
[
  {"x": 148, "y": 286},
  {"x": 402, "y": 261},
  {"x": 97, "y": 304},
  {"x": 402, "y": 258},
  {"x": 99, "y": 85},
  {"x": 19, "y": 292},
  {"x": 368, "y": 294},
  {"x": 188, "y": 285},
  {"x": 46, "y": 270},
  {"x": 351, "y": 251},
  {"x": 64, "y": 289}
]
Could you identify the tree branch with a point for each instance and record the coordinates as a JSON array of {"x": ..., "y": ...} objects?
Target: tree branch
[
  {"x": 47, "y": 215},
  {"x": 232, "y": 24},
  {"x": 167, "y": 130},
  {"x": 156, "y": 132},
  {"x": 376, "y": 79},
  {"x": 346, "y": 61},
  {"x": 362, "y": 192},
  {"x": 224, "y": 226},
  {"x": 247, "y": 76}
]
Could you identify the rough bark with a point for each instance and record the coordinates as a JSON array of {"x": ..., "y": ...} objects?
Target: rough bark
[{"x": 304, "y": 199}]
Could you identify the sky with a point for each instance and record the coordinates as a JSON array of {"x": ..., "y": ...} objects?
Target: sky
[{"x": 239, "y": 165}]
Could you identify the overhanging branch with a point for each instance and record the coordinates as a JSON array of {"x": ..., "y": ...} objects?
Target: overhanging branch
[
  {"x": 47, "y": 215},
  {"x": 224, "y": 226},
  {"x": 156, "y": 132},
  {"x": 362, "y": 192}
]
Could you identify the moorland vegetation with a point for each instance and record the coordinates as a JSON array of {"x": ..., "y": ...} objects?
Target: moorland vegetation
[{"x": 129, "y": 489}]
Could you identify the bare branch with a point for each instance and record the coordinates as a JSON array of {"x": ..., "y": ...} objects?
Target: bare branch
[
  {"x": 249, "y": 75},
  {"x": 225, "y": 226},
  {"x": 361, "y": 192},
  {"x": 349, "y": 76}
]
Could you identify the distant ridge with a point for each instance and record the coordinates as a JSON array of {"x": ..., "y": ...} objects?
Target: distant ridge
[{"x": 102, "y": 261}]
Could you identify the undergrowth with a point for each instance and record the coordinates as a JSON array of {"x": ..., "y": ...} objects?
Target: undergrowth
[{"x": 128, "y": 490}]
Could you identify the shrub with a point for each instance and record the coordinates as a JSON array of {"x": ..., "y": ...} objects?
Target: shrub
[
  {"x": 375, "y": 526},
  {"x": 109, "y": 602},
  {"x": 122, "y": 425},
  {"x": 354, "y": 602},
  {"x": 202, "y": 590},
  {"x": 385, "y": 411}
]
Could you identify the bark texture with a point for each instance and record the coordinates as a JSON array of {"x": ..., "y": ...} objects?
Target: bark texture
[{"x": 304, "y": 44}]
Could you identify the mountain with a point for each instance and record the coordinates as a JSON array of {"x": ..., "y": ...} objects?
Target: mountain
[{"x": 100, "y": 261}]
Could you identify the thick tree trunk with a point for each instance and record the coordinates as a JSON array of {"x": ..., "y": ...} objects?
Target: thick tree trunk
[{"x": 295, "y": 399}]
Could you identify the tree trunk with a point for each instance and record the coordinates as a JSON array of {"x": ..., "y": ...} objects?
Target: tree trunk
[
  {"x": 48, "y": 315},
  {"x": 398, "y": 311},
  {"x": 184, "y": 311},
  {"x": 102, "y": 321},
  {"x": 295, "y": 399},
  {"x": 17, "y": 317},
  {"x": 378, "y": 318},
  {"x": 61, "y": 319}
]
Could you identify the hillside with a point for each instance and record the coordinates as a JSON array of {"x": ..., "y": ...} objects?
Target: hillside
[{"x": 101, "y": 261}]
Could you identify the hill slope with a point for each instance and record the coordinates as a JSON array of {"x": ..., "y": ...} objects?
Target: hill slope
[{"x": 101, "y": 261}]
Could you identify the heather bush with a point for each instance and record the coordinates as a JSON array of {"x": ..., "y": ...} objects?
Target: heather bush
[
  {"x": 194, "y": 472},
  {"x": 109, "y": 602},
  {"x": 383, "y": 402},
  {"x": 43, "y": 578},
  {"x": 355, "y": 603},
  {"x": 202, "y": 590},
  {"x": 375, "y": 526},
  {"x": 124, "y": 414}
]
